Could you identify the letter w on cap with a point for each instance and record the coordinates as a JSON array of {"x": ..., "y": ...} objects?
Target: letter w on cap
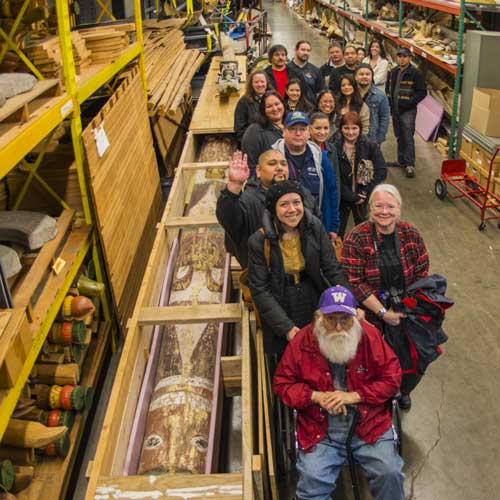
[{"x": 339, "y": 296}]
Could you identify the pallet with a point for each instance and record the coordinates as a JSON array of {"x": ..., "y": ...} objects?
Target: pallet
[{"x": 21, "y": 107}]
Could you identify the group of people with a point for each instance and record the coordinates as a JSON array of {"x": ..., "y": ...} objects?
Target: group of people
[
  {"x": 310, "y": 140},
  {"x": 349, "y": 81}
]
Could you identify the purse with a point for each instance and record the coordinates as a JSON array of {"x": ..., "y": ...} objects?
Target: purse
[{"x": 365, "y": 172}]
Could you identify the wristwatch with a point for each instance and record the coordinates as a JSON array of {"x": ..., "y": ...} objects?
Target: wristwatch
[{"x": 382, "y": 312}]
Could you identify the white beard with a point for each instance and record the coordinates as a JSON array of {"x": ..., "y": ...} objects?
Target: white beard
[{"x": 338, "y": 347}]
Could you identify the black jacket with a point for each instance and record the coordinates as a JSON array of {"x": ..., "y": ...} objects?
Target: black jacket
[
  {"x": 313, "y": 78},
  {"x": 412, "y": 89},
  {"x": 257, "y": 139},
  {"x": 241, "y": 215},
  {"x": 366, "y": 149},
  {"x": 268, "y": 284},
  {"x": 336, "y": 76},
  {"x": 245, "y": 114},
  {"x": 290, "y": 73}
]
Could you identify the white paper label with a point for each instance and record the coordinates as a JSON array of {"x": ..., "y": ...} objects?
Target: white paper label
[
  {"x": 66, "y": 108},
  {"x": 101, "y": 140}
]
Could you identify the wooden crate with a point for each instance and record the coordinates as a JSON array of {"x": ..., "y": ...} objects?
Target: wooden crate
[
  {"x": 15, "y": 345},
  {"x": 235, "y": 374}
]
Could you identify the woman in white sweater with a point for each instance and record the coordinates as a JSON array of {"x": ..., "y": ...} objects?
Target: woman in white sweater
[{"x": 380, "y": 65}]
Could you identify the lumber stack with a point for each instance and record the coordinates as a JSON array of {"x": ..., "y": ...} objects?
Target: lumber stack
[
  {"x": 46, "y": 55},
  {"x": 105, "y": 44},
  {"x": 169, "y": 67}
]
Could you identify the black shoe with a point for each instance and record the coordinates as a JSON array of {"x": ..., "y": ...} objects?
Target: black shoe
[
  {"x": 410, "y": 171},
  {"x": 404, "y": 402},
  {"x": 393, "y": 164}
]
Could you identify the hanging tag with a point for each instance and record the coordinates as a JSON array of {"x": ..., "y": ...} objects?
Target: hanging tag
[{"x": 101, "y": 140}]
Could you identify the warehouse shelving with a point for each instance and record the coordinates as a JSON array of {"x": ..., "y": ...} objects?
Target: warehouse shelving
[
  {"x": 16, "y": 141},
  {"x": 461, "y": 10}
]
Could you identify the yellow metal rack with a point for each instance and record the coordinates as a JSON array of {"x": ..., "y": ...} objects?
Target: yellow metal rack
[{"x": 15, "y": 145}]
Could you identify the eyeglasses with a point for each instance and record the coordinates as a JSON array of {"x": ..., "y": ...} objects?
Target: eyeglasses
[
  {"x": 343, "y": 321},
  {"x": 388, "y": 206}
]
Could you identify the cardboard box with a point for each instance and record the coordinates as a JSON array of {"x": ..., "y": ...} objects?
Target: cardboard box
[
  {"x": 466, "y": 146},
  {"x": 485, "y": 111}
]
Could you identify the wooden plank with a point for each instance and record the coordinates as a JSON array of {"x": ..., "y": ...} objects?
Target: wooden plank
[
  {"x": 231, "y": 375},
  {"x": 246, "y": 407},
  {"x": 172, "y": 487},
  {"x": 19, "y": 101},
  {"x": 23, "y": 296},
  {"x": 205, "y": 165},
  {"x": 268, "y": 416},
  {"x": 225, "y": 313},
  {"x": 258, "y": 477},
  {"x": 127, "y": 197},
  {"x": 198, "y": 221}
]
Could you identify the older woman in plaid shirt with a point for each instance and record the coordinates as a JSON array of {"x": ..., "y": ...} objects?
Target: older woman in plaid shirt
[{"x": 381, "y": 258}]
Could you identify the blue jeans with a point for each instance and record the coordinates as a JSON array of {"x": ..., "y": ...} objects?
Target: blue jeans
[
  {"x": 319, "y": 469},
  {"x": 404, "y": 130}
]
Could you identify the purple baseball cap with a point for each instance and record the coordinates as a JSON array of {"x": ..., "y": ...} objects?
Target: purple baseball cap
[{"x": 337, "y": 299}]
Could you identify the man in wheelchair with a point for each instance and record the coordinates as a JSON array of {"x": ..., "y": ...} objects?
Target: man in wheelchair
[{"x": 332, "y": 365}]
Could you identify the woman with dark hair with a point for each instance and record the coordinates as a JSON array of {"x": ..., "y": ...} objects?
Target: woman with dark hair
[
  {"x": 362, "y": 167},
  {"x": 325, "y": 103},
  {"x": 360, "y": 54},
  {"x": 378, "y": 61},
  {"x": 295, "y": 99},
  {"x": 291, "y": 261},
  {"x": 350, "y": 99},
  {"x": 247, "y": 108},
  {"x": 319, "y": 131},
  {"x": 260, "y": 136}
]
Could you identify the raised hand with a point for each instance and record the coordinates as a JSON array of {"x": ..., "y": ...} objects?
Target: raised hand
[{"x": 238, "y": 171}]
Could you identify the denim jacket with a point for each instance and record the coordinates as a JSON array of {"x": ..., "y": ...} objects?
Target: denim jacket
[{"x": 378, "y": 103}]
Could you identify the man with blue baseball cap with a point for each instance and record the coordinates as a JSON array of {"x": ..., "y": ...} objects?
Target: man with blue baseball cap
[
  {"x": 310, "y": 167},
  {"x": 331, "y": 364}
]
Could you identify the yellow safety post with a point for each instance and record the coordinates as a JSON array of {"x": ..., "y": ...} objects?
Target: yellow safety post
[
  {"x": 140, "y": 40},
  {"x": 32, "y": 167},
  {"x": 21, "y": 54},
  {"x": 189, "y": 10},
  {"x": 216, "y": 29},
  {"x": 105, "y": 10},
  {"x": 76, "y": 127},
  {"x": 71, "y": 88},
  {"x": 209, "y": 43},
  {"x": 14, "y": 27}
]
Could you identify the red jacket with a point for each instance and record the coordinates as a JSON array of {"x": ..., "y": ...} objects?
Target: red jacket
[{"x": 375, "y": 374}]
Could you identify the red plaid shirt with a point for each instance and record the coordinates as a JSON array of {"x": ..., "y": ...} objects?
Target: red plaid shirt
[{"x": 360, "y": 261}]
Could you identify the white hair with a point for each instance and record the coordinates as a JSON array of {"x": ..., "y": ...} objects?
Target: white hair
[
  {"x": 386, "y": 188},
  {"x": 338, "y": 347}
]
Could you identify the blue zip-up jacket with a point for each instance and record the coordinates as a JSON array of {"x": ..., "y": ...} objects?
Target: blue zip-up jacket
[
  {"x": 380, "y": 112},
  {"x": 318, "y": 176}
]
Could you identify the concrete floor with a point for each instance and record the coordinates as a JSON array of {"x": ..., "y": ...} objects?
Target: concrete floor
[{"x": 452, "y": 432}]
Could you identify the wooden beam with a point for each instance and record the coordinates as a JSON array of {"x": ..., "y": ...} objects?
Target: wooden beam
[
  {"x": 205, "y": 165},
  {"x": 218, "y": 313},
  {"x": 246, "y": 408},
  {"x": 198, "y": 221},
  {"x": 231, "y": 375},
  {"x": 172, "y": 487}
]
